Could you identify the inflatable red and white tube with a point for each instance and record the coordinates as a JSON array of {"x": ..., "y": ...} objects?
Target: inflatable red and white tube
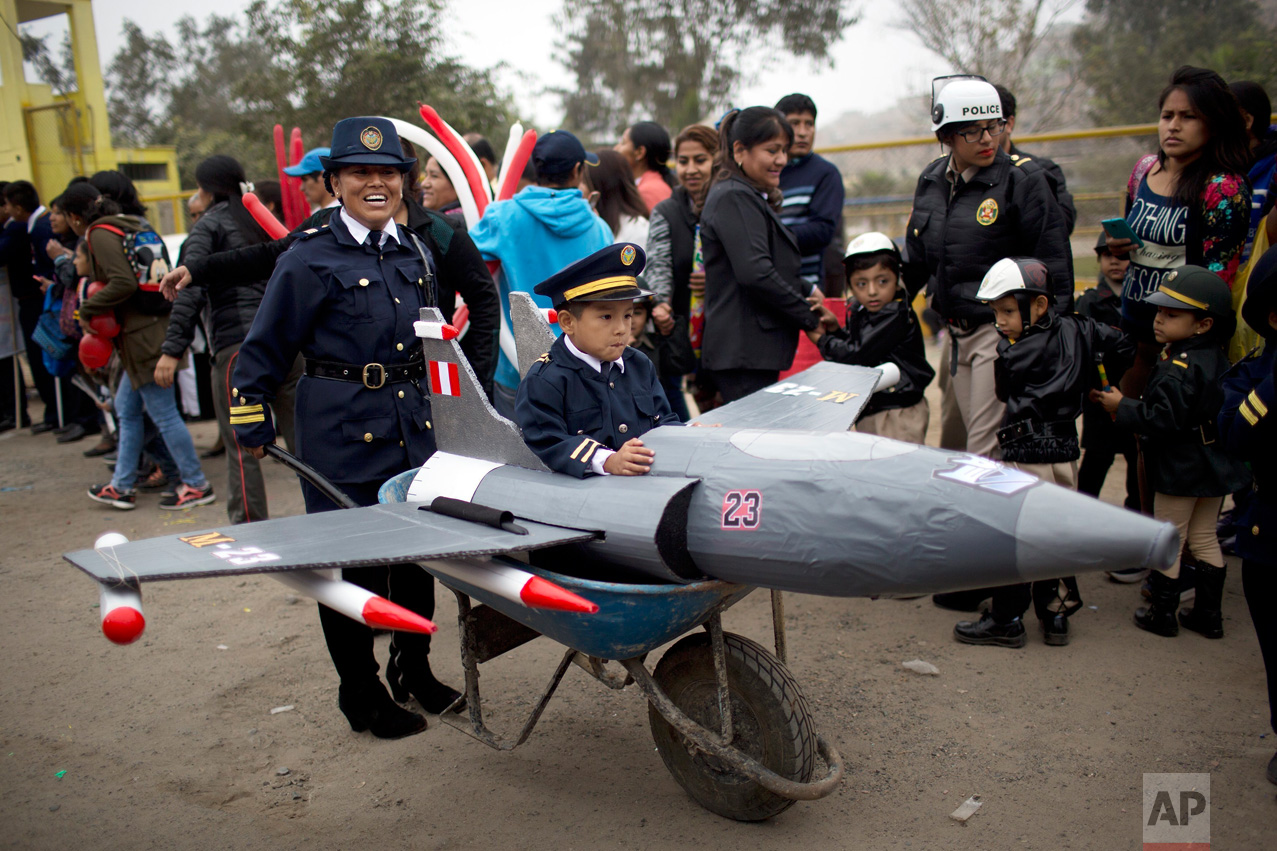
[
  {"x": 511, "y": 143},
  {"x": 465, "y": 156},
  {"x": 274, "y": 227},
  {"x": 511, "y": 583},
  {"x": 301, "y": 207},
  {"x": 354, "y": 602},
  {"x": 435, "y": 330},
  {"x": 435, "y": 148},
  {"x": 281, "y": 161},
  {"x": 509, "y": 181},
  {"x": 120, "y": 602}
]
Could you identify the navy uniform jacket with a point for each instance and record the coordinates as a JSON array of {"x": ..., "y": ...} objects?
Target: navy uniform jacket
[
  {"x": 1176, "y": 419},
  {"x": 567, "y": 410},
  {"x": 333, "y": 299},
  {"x": 1248, "y": 429}
]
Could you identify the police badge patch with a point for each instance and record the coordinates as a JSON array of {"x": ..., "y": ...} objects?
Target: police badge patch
[
  {"x": 371, "y": 138},
  {"x": 988, "y": 212},
  {"x": 627, "y": 255}
]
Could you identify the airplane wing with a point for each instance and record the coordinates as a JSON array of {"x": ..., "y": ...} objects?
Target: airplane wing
[
  {"x": 355, "y": 537},
  {"x": 825, "y": 397}
]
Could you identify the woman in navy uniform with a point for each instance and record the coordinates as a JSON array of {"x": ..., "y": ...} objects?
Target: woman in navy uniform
[{"x": 345, "y": 296}]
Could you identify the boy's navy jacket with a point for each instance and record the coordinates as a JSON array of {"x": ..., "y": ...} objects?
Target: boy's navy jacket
[
  {"x": 892, "y": 334},
  {"x": 1176, "y": 419},
  {"x": 1248, "y": 430},
  {"x": 1103, "y": 305},
  {"x": 1044, "y": 375},
  {"x": 567, "y": 410}
]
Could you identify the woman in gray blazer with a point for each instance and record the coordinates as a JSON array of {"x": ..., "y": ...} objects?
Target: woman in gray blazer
[{"x": 755, "y": 303}]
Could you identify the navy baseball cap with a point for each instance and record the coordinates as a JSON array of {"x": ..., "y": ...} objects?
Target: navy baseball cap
[
  {"x": 558, "y": 152},
  {"x": 310, "y": 164},
  {"x": 365, "y": 140},
  {"x": 608, "y": 274}
]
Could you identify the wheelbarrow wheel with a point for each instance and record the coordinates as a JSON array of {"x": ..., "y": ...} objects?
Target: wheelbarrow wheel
[{"x": 771, "y": 724}]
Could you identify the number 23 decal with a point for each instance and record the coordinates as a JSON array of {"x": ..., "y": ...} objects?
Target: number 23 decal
[{"x": 742, "y": 510}]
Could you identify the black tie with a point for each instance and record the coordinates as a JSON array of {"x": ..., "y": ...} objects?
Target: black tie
[
  {"x": 374, "y": 239},
  {"x": 605, "y": 369}
]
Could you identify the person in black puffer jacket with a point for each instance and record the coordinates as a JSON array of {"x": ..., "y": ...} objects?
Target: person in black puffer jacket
[
  {"x": 973, "y": 207},
  {"x": 226, "y": 225}
]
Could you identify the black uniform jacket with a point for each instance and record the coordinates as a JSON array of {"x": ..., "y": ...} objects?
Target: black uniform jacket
[
  {"x": 1007, "y": 210},
  {"x": 891, "y": 334},
  {"x": 567, "y": 409},
  {"x": 1054, "y": 176},
  {"x": 1043, "y": 377},
  {"x": 1176, "y": 420},
  {"x": 461, "y": 270},
  {"x": 755, "y": 303},
  {"x": 1248, "y": 430},
  {"x": 335, "y": 300},
  {"x": 1105, "y": 306}
]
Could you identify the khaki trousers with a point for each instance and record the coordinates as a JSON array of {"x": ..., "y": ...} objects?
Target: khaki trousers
[
  {"x": 1063, "y": 473},
  {"x": 906, "y": 424},
  {"x": 970, "y": 413},
  {"x": 1194, "y": 517}
]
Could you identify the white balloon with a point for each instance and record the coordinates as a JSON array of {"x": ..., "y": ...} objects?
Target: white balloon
[{"x": 434, "y": 147}]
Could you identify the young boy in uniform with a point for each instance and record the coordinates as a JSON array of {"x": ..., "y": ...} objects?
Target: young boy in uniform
[
  {"x": 1044, "y": 367},
  {"x": 585, "y": 405},
  {"x": 881, "y": 328}
]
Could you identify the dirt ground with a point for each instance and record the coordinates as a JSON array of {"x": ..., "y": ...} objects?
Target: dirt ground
[{"x": 171, "y": 742}]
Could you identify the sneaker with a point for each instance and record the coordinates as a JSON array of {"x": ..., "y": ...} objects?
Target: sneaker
[
  {"x": 110, "y": 458},
  {"x": 187, "y": 497},
  {"x": 103, "y": 446},
  {"x": 154, "y": 481},
  {"x": 108, "y": 495}
]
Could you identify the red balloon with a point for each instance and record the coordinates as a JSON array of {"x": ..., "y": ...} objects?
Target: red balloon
[
  {"x": 95, "y": 351},
  {"x": 105, "y": 325},
  {"x": 94, "y": 288}
]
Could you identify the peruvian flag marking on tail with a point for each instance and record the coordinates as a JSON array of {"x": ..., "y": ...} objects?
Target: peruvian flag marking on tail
[{"x": 445, "y": 380}]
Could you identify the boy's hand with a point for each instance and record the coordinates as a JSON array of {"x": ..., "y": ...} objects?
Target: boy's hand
[
  {"x": 1110, "y": 399},
  {"x": 816, "y": 333},
  {"x": 828, "y": 320},
  {"x": 632, "y": 459}
]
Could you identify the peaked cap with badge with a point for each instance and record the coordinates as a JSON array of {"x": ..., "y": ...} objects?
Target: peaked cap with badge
[
  {"x": 365, "y": 140},
  {"x": 609, "y": 274},
  {"x": 1194, "y": 288}
]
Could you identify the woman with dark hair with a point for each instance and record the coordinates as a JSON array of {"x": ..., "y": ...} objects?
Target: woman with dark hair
[
  {"x": 1189, "y": 203},
  {"x": 438, "y": 193},
  {"x": 98, "y": 218},
  {"x": 754, "y": 299},
  {"x": 226, "y": 224},
  {"x": 271, "y": 195},
  {"x": 1261, "y": 138},
  {"x": 616, "y": 199},
  {"x": 672, "y": 271},
  {"x": 646, "y": 147},
  {"x": 116, "y": 186}
]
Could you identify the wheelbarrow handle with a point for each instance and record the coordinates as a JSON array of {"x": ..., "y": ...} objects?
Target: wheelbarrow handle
[{"x": 310, "y": 474}]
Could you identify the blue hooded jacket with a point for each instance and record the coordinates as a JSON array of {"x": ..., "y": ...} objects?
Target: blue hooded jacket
[{"x": 535, "y": 234}]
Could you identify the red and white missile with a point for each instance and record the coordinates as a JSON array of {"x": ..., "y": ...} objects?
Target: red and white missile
[
  {"x": 551, "y": 315},
  {"x": 119, "y": 602},
  {"x": 354, "y": 602},
  {"x": 511, "y": 583},
  {"x": 435, "y": 330}
]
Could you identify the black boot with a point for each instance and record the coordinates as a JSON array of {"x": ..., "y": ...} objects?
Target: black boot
[
  {"x": 1055, "y": 630},
  {"x": 1205, "y": 615},
  {"x": 370, "y": 708},
  {"x": 433, "y": 695},
  {"x": 1159, "y": 616},
  {"x": 989, "y": 631}
]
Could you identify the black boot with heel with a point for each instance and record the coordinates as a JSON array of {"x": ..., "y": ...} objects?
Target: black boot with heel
[
  {"x": 370, "y": 708},
  {"x": 1158, "y": 616},
  {"x": 1205, "y": 617}
]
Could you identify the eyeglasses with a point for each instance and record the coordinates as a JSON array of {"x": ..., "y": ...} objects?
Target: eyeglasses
[{"x": 973, "y": 134}]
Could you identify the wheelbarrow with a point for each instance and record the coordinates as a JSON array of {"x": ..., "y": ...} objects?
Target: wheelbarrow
[{"x": 728, "y": 718}]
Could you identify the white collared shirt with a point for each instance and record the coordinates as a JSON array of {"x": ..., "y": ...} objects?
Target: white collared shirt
[
  {"x": 360, "y": 232},
  {"x": 39, "y": 211},
  {"x": 602, "y": 453}
]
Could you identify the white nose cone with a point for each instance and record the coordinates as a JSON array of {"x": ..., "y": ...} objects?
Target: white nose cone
[{"x": 110, "y": 539}]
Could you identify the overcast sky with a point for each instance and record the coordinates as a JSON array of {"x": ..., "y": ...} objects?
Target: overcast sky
[{"x": 874, "y": 65}]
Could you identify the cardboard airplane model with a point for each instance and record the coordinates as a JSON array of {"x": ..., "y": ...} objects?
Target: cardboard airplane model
[{"x": 779, "y": 495}]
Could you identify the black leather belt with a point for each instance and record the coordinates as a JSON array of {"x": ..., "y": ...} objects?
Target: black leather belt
[
  {"x": 1029, "y": 428},
  {"x": 371, "y": 375}
]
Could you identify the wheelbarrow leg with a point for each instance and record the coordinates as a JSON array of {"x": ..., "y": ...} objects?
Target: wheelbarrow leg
[
  {"x": 715, "y": 627},
  {"x": 778, "y": 626}
]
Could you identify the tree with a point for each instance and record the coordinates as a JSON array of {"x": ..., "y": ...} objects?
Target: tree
[
  {"x": 1001, "y": 40},
  {"x": 676, "y": 61},
  {"x": 58, "y": 73},
  {"x": 138, "y": 85},
  {"x": 1129, "y": 48}
]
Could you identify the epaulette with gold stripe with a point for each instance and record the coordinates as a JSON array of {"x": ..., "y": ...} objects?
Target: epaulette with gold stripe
[
  {"x": 585, "y": 449},
  {"x": 247, "y": 414},
  {"x": 545, "y": 358},
  {"x": 1253, "y": 409}
]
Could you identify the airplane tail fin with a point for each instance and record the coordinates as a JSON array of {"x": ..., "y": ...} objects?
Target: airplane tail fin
[
  {"x": 465, "y": 423},
  {"x": 533, "y": 335}
]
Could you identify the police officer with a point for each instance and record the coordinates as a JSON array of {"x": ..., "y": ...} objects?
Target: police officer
[
  {"x": 345, "y": 296},
  {"x": 973, "y": 207}
]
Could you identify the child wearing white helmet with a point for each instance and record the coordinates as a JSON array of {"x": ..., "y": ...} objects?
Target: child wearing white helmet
[
  {"x": 1044, "y": 369},
  {"x": 881, "y": 328}
]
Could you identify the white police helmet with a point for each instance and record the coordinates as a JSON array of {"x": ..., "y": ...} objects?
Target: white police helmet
[
  {"x": 1014, "y": 275},
  {"x": 871, "y": 243},
  {"x": 963, "y": 97}
]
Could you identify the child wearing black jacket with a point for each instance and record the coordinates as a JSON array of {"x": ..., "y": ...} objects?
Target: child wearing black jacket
[
  {"x": 1044, "y": 368},
  {"x": 881, "y": 328},
  {"x": 1184, "y": 459}
]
